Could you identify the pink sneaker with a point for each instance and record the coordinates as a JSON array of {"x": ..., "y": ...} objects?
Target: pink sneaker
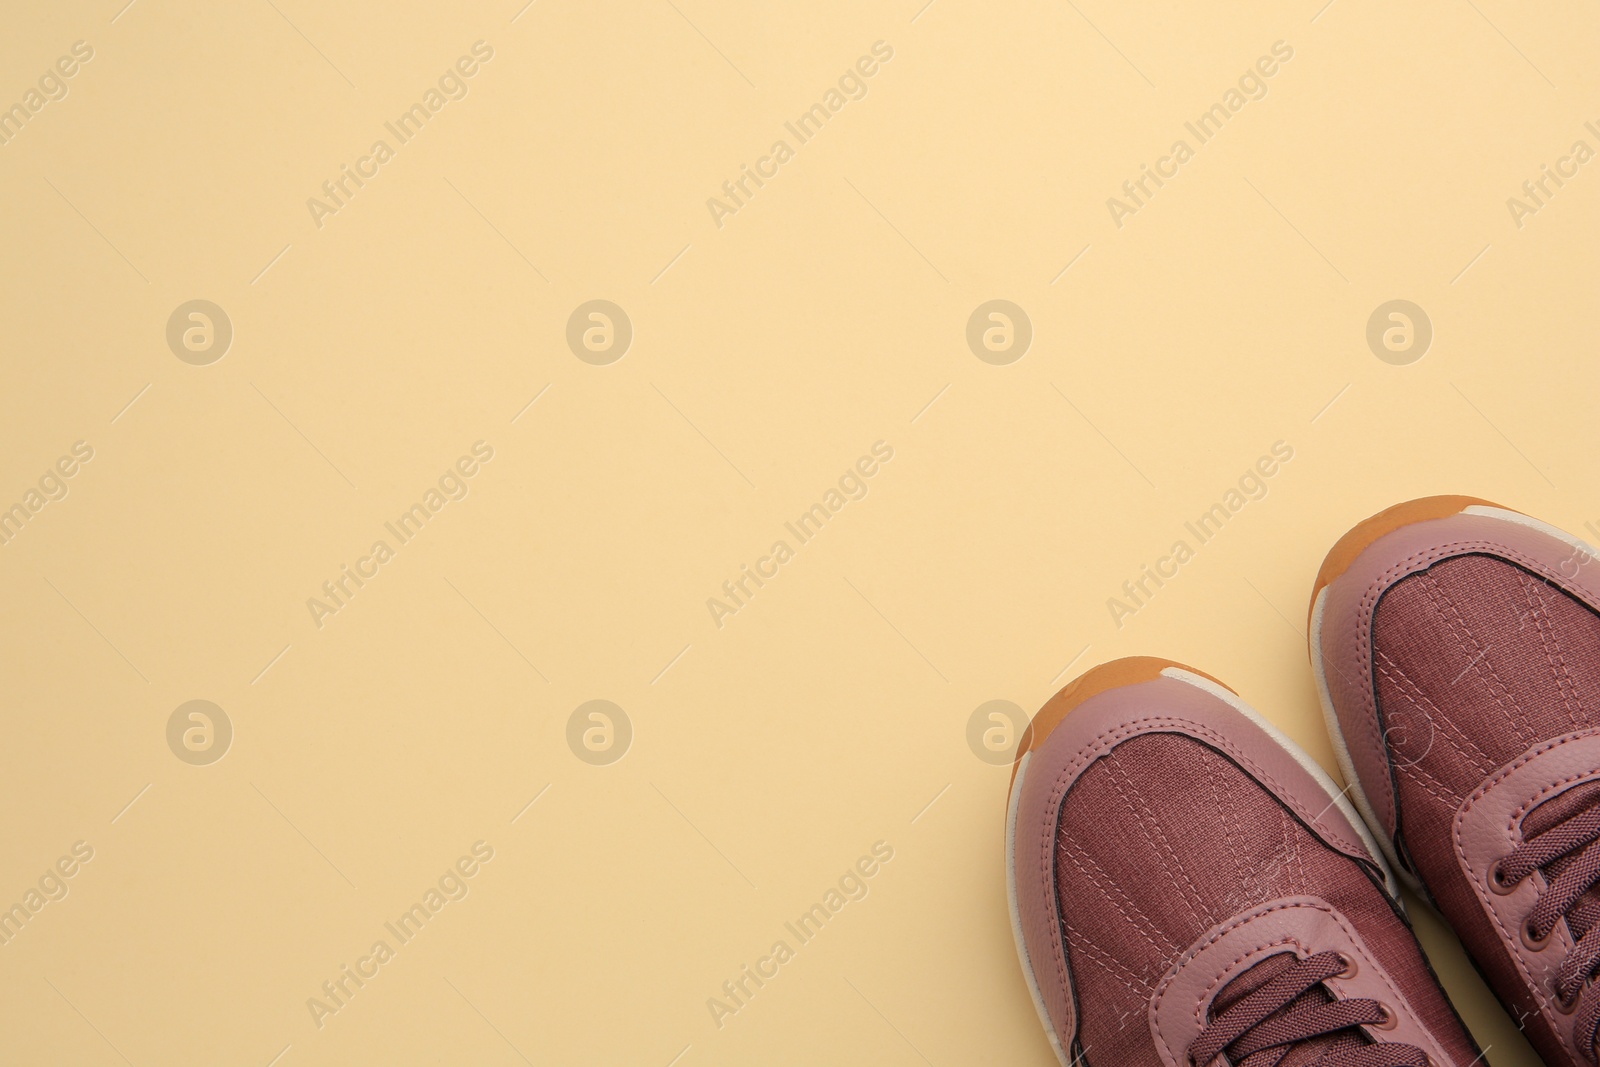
[
  {"x": 1188, "y": 889},
  {"x": 1456, "y": 646}
]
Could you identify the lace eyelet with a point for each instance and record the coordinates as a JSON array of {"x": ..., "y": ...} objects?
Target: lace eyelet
[
  {"x": 1568, "y": 1007},
  {"x": 1350, "y": 968},
  {"x": 1390, "y": 1019},
  {"x": 1533, "y": 942},
  {"x": 1498, "y": 884}
]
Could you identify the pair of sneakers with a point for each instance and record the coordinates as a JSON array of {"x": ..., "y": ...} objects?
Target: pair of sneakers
[{"x": 1188, "y": 888}]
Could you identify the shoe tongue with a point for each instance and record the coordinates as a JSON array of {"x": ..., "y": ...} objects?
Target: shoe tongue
[
  {"x": 1251, "y": 980},
  {"x": 1559, "y": 808},
  {"x": 1307, "y": 1053},
  {"x": 1586, "y": 912}
]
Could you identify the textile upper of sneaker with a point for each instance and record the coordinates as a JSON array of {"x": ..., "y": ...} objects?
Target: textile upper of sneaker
[
  {"x": 1187, "y": 884},
  {"x": 1460, "y": 655}
]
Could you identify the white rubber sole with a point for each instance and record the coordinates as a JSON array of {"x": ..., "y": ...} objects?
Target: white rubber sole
[{"x": 1016, "y": 914}]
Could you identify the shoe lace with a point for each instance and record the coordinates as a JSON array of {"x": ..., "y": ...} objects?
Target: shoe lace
[
  {"x": 1570, "y": 853},
  {"x": 1262, "y": 1028}
]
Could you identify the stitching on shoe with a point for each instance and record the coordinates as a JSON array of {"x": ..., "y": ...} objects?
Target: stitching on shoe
[
  {"x": 1554, "y": 656},
  {"x": 1439, "y": 791},
  {"x": 1548, "y": 791},
  {"x": 1294, "y": 853},
  {"x": 1224, "y": 819},
  {"x": 1364, "y": 618},
  {"x": 1107, "y": 886},
  {"x": 1159, "y": 845},
  {"x": 1098, "y": 747},
  {"x": 1119, "y": 970},
  {"x": 1476, "y": 876},
  {"x": 1223, "y": 974},
  {"x": 1477, "y": 657},
  {"x": 1441, "y": 722}
]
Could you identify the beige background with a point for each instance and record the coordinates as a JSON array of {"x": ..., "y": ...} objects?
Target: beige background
[{"x": 829, "y": 313}]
